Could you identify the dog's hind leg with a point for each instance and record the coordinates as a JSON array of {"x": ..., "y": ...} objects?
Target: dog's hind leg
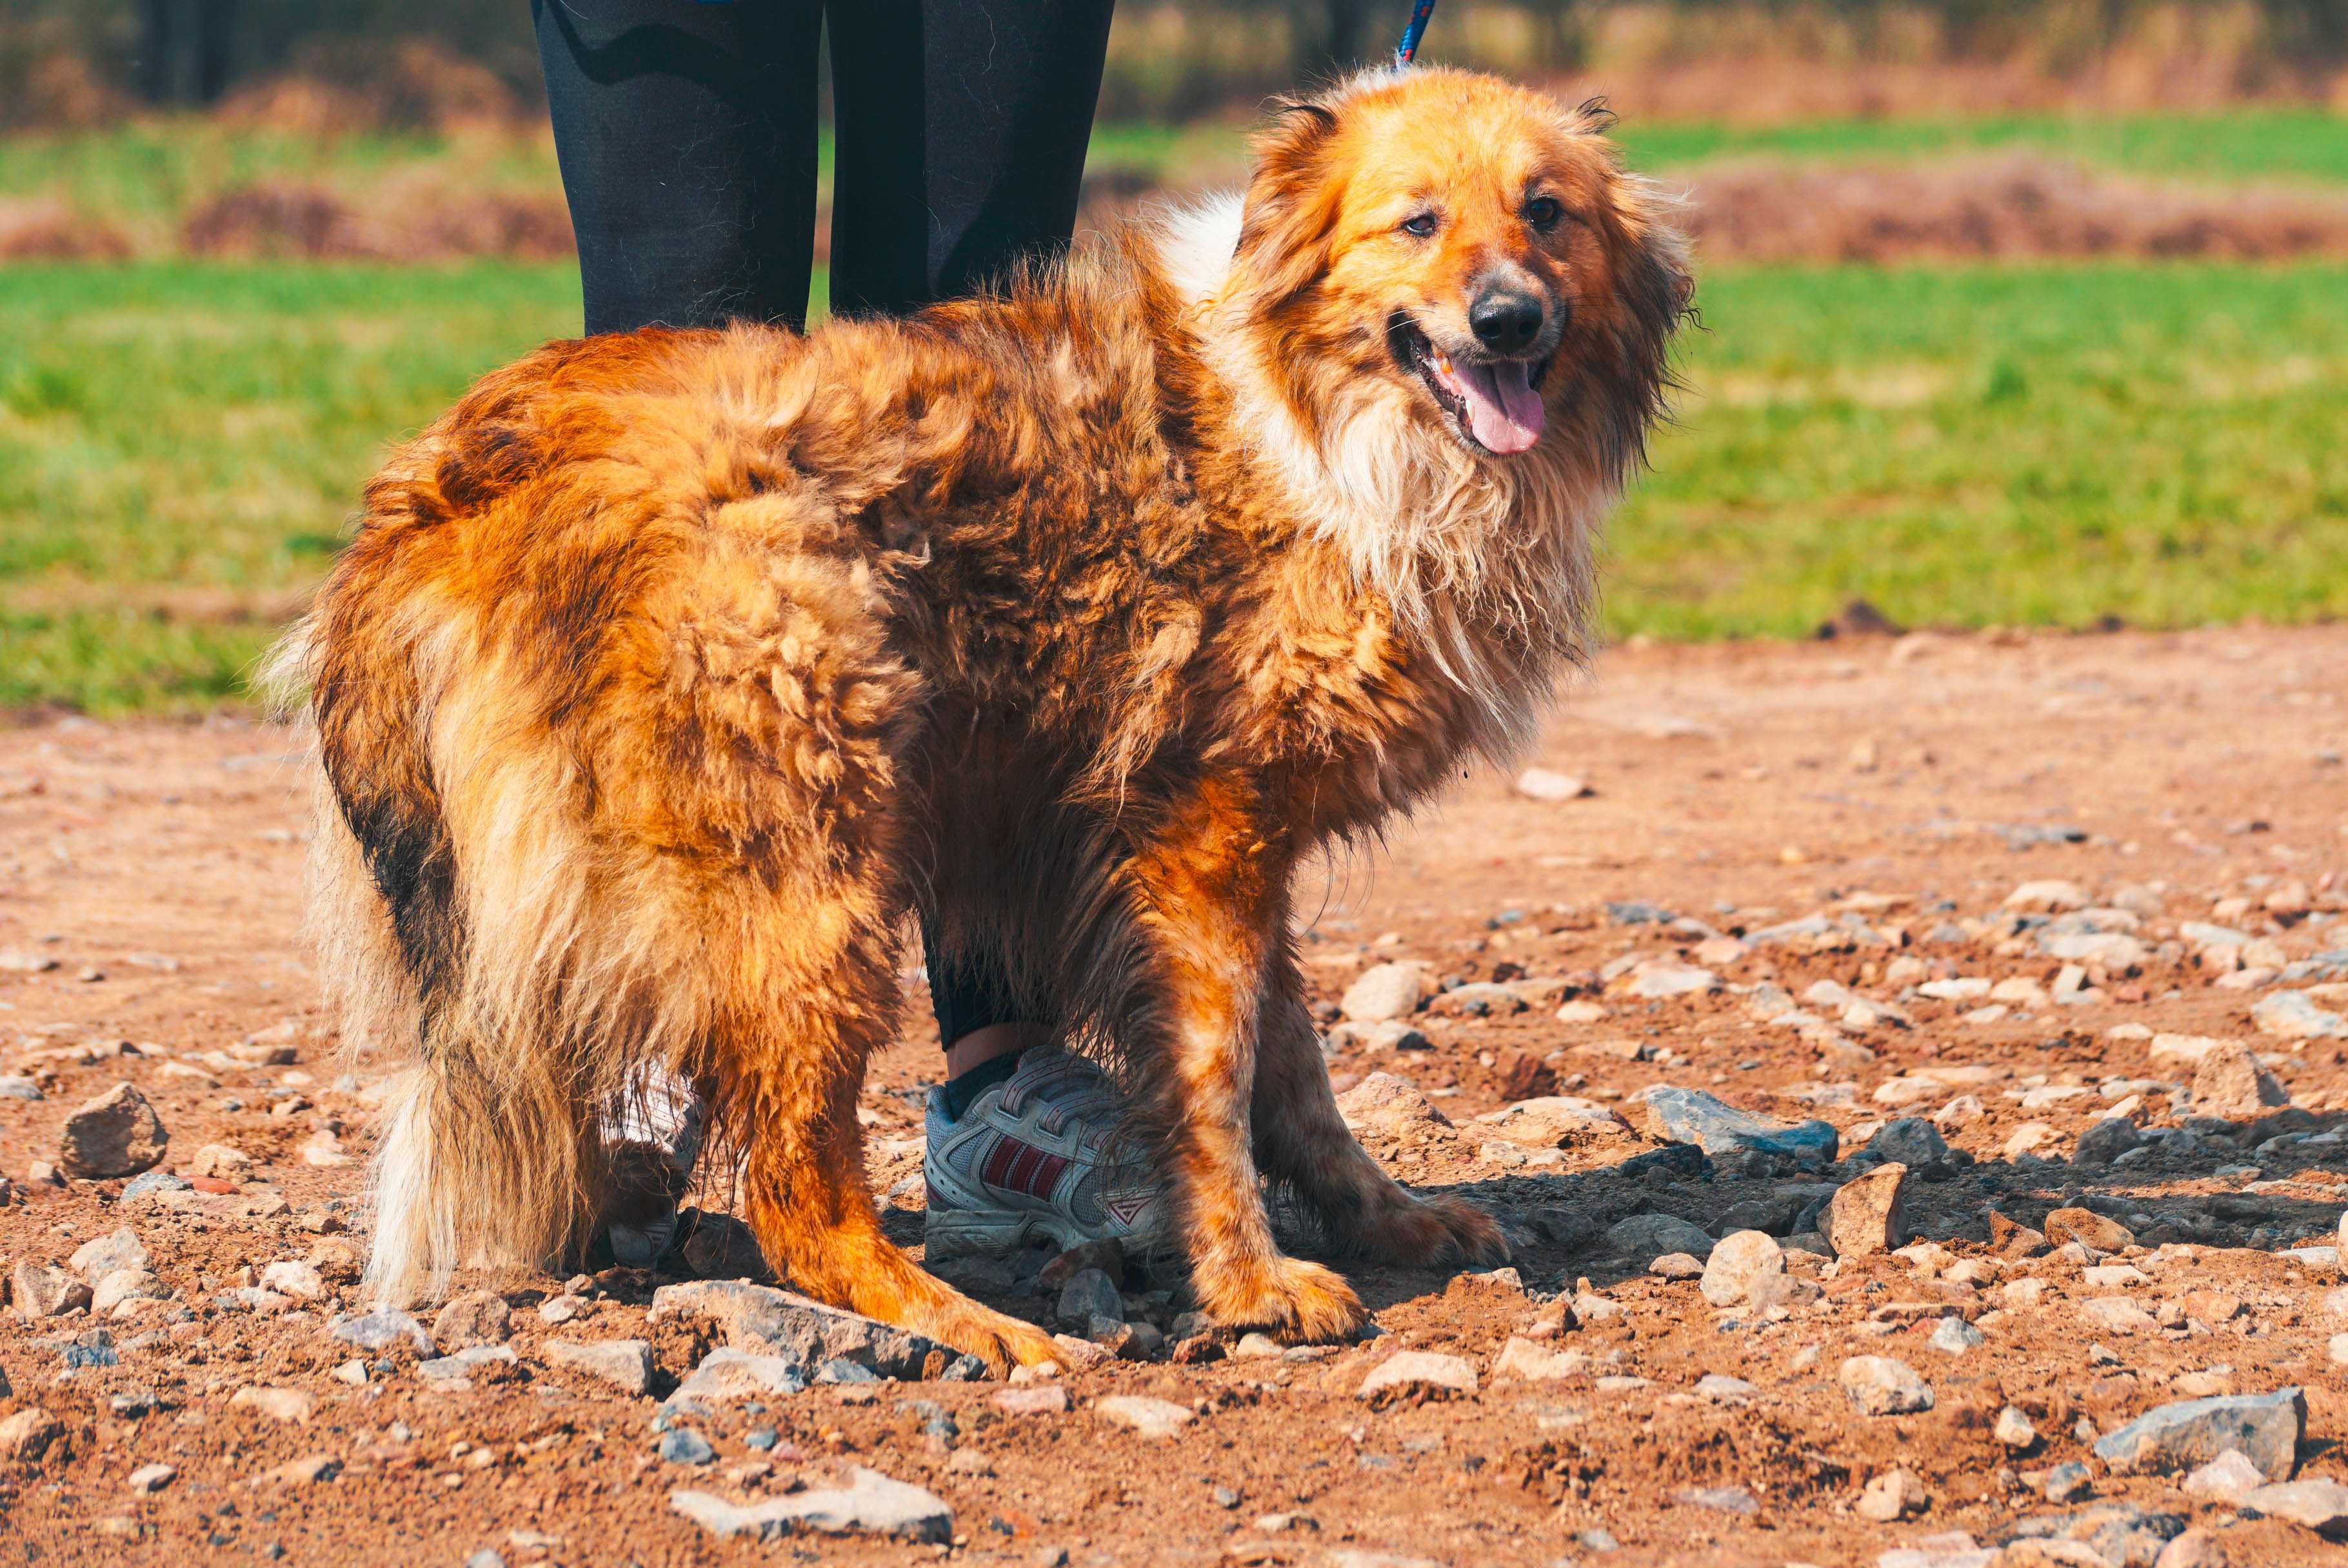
[{"x": 1301, "y": 1140}]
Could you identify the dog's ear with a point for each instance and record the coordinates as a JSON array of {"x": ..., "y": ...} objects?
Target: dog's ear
[{"x": 1292, "y": 204}]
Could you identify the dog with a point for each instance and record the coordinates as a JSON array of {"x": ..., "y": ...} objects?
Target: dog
[{"x": 668, "y": 671}]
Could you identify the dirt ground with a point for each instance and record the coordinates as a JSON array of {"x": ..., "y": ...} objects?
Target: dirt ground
[{"x": 1903, "y": 787}]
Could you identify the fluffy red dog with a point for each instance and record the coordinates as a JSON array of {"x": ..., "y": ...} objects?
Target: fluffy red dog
[{"x": 636, "y": 693}]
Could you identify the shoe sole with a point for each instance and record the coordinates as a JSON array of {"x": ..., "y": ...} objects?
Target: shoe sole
[{"x": 959, "y": 1233}]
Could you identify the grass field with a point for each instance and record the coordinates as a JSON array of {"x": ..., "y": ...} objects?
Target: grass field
[
  {"x": 180, "y": 446},
  {"x": 145, "y": 177}
]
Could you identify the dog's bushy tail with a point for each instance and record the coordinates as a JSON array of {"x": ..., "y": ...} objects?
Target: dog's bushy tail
[{"x": 452, "y": 925}]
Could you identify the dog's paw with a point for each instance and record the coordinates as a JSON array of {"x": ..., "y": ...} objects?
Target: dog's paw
[
  {"x": 1294, "y": 1299},
  {"x": 1002, "y": 1342},
  {"x": 1430, "y": 1233}
]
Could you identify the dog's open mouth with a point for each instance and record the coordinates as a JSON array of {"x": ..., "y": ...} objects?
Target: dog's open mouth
[{"x": 1496, "y": 404}]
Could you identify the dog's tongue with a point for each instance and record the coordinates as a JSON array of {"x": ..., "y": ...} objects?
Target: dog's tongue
[{"x": 1503, "y": 410}]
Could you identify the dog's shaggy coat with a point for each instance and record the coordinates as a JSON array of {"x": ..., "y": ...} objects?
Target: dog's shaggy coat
[{"x": 669, "y": 670}]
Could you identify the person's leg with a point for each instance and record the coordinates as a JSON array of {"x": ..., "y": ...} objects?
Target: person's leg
[
  {"x": 686, "y": 134},
  {"x": 961, "y": 130}
]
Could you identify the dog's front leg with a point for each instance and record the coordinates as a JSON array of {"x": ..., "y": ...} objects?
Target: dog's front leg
[{"x": 1211, "y": 891}]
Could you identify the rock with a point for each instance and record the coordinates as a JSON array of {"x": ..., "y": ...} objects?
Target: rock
[
  {"x": 154, "y": 1477},
  {"x": 1035, "y": 1399},
  {"x": 1677, "y": 1265},
  {"x": 324, "y": 1150},
  {"x": 296, "y": 1279},
  {"x": 625, "y": 1364},
  {"x": 1105, "y": 1255},
  {"x": 2120, "y": 1315},
  {"x": 2047, "y": 897},
  {"x": 1953, "y": 1336},
  {"x": 2014, "y": 1429},
  {"x": 684, "y": 1446},
  {"x": 1385, "y": 992},
  {"x": 2067, "y": 1482},
  {"x": 1391, "y": 1104},
  {"x": 2193, "y": 1549},
  {"x": 727, "y": 1375},
  {"x": 290, "y": 1404},
  {"x": 117, "y": 1134},
  {"x": 2294, "y": 1015},
  {"x": 2319, "y": 1505},
  {"x": 475, "y": 1317},
  {"x": 870, "y": 1504},
  {"x": 2231, "y": 1081},
  {"x": 1894, "y": 1494},
  {"x": 218, "y": 1160},
  {"x": 43, "y": 1289},
  {"x": 774, "y": 1322},
  {"x": 2228, "y": 1476},
  {"x": 152, "y": 1183},
  {"x": 1554, "y": 1122},
  {"x": 126, "y": 1285},
  {"x": 1650, "y": 1236},
  {"x": 1655, "y": 981},
  {"x": 1909, "y": 1140},
  {"x": 385, "y": 1329},
  {"x": 2105, "y": 1140},
  {"x": 719, "y": 1246},
  {"x": 1738, "y": 1261},
  {"x": 1525, "y": 1078},
  {"x": 307, "y": 1471},
  {"x": 1692, "y": 1116},
  {"x": 1150, "y": 1418},
  {"x": 1417, "y": 1372},
  {"x": 1476, "y": 1000},
  {"x": 2266, "y": 1429},
  {"x": 1727, "y": 1390},
  {"x": 1536, "y": 1363},
  {"x": 14, "y": 1087},
  {"x": 1868, "y": 1214},
  {"x": 1878, "y": 1386},
  {"x": 26, "y": 1436},
  {"x": 1090, "y": 1293},
  {"x": 1541, "y": 784},
  {"x": 2090, "y": 1230}
]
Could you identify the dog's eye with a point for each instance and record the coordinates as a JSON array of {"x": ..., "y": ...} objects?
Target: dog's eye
[
  {"x": 1421, "y": 224},
  {"x": 1543, "y": 211}
]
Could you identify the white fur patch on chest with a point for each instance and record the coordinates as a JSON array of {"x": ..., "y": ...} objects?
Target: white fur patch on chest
[{"x": 1196, "y": 243}]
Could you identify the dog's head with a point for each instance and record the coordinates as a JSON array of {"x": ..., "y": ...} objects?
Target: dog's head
[{"x": 1473, "y": 243}]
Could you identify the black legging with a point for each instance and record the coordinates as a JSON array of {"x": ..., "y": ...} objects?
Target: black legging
[{"x": 687, "y": 132}]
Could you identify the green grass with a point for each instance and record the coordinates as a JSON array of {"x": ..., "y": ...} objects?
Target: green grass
[{"x": 180, "y": 445}]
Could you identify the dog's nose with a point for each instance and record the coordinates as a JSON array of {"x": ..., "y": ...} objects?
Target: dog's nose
[{"x": 1505, "y": 320}]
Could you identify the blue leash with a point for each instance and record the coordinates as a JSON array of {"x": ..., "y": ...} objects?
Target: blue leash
[{"x": 1409, "y": 47}]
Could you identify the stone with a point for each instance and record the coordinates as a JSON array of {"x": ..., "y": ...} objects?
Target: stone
[
  {"x": 1139, "y": 1413},
  {"x": 1892, "y": 1495},
  {"x": 307, "y": 1471},
  {"x": 296, "y": 1279},
  {"x": 44, "y": 1290},
  {"x": 870, "y": 1504},
  {"x": 1034, "y": 1399},
  {"x": 1554, "y": 1122},
  {"x": 2119, "y": 1315},
  {"x": 2049, "y": 896},
  {"x": 1677, "y": 1265},
  {"x": 2014, "y": 1429},
  {"x": 1409, "y": 1373},
  {"x": 1090, "y": 1293},
  {"x": 1909, "y": 1140},
  {"x": 288, "y": 1405},
  {"x": 95, "y": 1260},
  {"x": 1880, "y": 1385},
  {"x": 14, "y": 1087},
  {"x": 218, "y": 1160},
  {"x": 126, "y": 1285},
  {"x": 684, "y": 1446},
  {"x": 774, "y": 1322},
  {"x": 2231, "y": 1081},
  {"x": 2193, "y": 1549},
  {"x": 625, "y": 1364},
  {"x": 1536, "y": 1363},
  {"x": 153, "y": 1184},
  {"x": 475, "y": 1317},
  {"x": 1725, "y": 1389},
  {"x": 1385, "y": 992},
  {"x": 727, "y": 1375},
  {"x": 1868, "y": 1215},
  {"x": 1655, "y": 981},
  {"x": 1105, "y": 1255},
  {"x": 1953, "y": 1336},
  {"x": 1389, "y": 1104},
  {"x": 1541, "y": 784},
  {"x": 2094, "y": 1232},
  {"x": 2105, "y": 1140},
  {"x": 154, "y": 1477},
  {"x": 1692, "y": 1116},
  {"x": 2228, "y": 1476},
  {"x": 116, "y": 1134},
  {"x": 1739, "y": 1260},
  {"x": 26, "y": 1436},
  {"x": 2265, "y": 1428},
  {"x": 1646, "y": 1237},
  {"x": 385, "y": 1329},
  {"x": 2067, "y": 1482},
  {"x": 2294, "y": 1015},
  {"x": 2319, "y": 1505}
]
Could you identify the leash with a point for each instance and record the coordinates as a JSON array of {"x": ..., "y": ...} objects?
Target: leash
[{"x": 1406, "y": 50}]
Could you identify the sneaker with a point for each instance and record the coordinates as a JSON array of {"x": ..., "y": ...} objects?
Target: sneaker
[
  {"x": 653, "y": 1133},
  {"x": 1031, "y": 1160}
]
